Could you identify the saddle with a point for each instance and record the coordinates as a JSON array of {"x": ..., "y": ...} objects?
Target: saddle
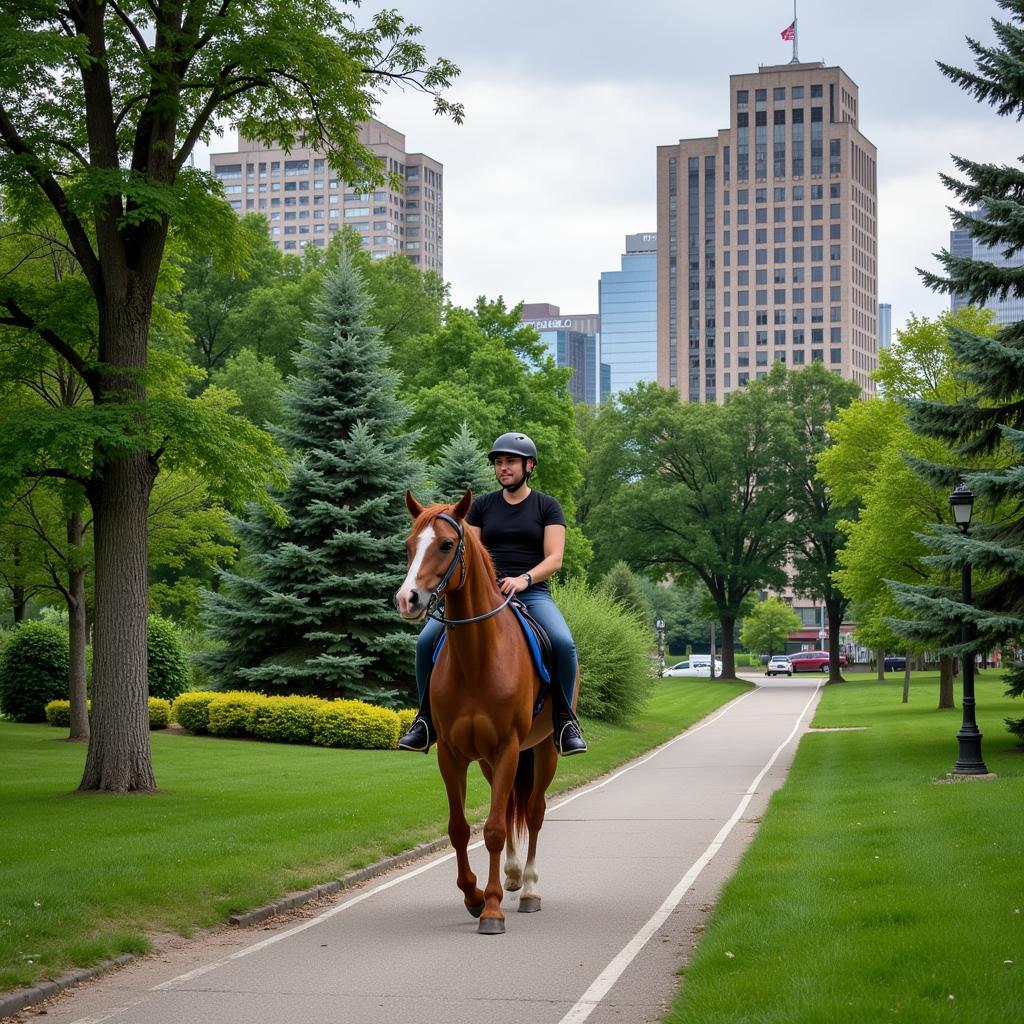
[{"x": 538, "y": 642}]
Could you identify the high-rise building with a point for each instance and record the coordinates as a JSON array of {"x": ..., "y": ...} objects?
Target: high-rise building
[
  {"x": 884, "y": 325},
  {"x": 306, "y": 202},
  {"x": 767, "y": 237},
  {"x": 1006, "y": 311},
  {"x": 574, "y": 341},
  {"x": 628, "y": 300}
]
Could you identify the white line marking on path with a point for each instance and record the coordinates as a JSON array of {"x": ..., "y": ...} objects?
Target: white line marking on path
[
  {"x": 279, "y": 936},
  {"x": 591, "y": 999}
]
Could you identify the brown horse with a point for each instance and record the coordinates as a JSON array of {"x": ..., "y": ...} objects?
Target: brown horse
[{"x": 482, "y": 694}]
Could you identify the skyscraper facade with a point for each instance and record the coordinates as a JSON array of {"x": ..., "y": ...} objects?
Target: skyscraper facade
[
  {"x": 306, "y": 202},
  {"x": 1006, "y": 311},
  {"x": 573, "y": 341},
  {"x": 767, "y": 237},
  {"x": 884, "y": 325},
  {"x": 628, "y": 301}
]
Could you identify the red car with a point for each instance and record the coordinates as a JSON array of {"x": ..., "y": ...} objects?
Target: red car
[{"x": 812, "y": 661}]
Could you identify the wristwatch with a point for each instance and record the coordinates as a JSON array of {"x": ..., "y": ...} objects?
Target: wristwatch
[{"x": 529, "y": 578}]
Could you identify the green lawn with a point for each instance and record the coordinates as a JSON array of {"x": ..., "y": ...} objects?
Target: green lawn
[
  {"x": 235, "y": 825},
  {"x": 871, "y": 892}
]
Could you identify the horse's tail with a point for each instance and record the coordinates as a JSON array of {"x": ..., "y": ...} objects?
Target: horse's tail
[{"x": 515, "y": 820}]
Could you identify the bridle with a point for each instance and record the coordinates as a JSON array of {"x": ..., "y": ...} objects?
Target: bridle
[{"x": 459, "y": 560}]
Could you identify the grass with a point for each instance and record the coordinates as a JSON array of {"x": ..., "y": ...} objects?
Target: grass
[
  {"x": 85, "y": 877},
  {"x": 873, "y": 893}
]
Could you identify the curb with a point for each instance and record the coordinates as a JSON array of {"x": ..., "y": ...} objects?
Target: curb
[{"x": 13, "y": 1002}]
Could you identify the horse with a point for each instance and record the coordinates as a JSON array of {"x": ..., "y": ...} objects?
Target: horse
[{"x": 483, "y": 691}]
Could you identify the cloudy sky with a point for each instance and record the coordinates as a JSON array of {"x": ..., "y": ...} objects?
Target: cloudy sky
[{"x": 567, "y": 100}]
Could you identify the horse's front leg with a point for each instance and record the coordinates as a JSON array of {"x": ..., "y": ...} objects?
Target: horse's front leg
[
  {"x": 544, "y": 765},
  {"x": 453, "y": 772},
  {"x": 492, "y": 920}
]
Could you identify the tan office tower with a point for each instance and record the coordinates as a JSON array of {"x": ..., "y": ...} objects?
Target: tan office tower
[
  {"x": 306, "y": 203},
  {"x": 767, "y": 237}
]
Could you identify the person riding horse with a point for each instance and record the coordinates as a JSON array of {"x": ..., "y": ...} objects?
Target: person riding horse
[{"x": 524, "y": 531}]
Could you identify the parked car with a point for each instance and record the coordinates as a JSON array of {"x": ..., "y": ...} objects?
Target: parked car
[
  {"x": 779, "y": 665},
  {"x": 694, "y": 666},
  {"x": 812, "y": 661},
  {"x": 895, "y": 663}
]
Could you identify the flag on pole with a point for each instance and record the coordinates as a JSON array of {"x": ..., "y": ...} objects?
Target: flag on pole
[{"x": 788, "y": 33}]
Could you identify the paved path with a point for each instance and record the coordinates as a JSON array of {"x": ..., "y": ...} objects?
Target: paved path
[{"x": 629, "y": 868}]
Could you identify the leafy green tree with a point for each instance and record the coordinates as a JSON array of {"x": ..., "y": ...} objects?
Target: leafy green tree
[
  {"x": 461, "y": 464},
  {"x": 119, "y": 98},
  {"x": 701, "y": 492},
  {"x": 258, "y": 384},
  {"x": 767, "y": 625},
  {"x": 814, "y": 397},
  {"x": 309, "y": 610},
  {"x": 621, "y": 584}
]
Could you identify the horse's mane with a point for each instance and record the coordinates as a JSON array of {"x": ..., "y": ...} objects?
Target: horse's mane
[{"x": 473, "y": 547}]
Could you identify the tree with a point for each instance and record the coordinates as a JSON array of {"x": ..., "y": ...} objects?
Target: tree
[
  {"x": 461, "y": 464},
  {"x": 258, "y": 384},
  {"x": 621, "y": 584},
  {"x": 119, "y": 98},
  {"x": 309, "y": 610},
  {"x": 767, "y": 625},
  {"x": 985, "y": 425},
  {"x": 701, "y": 492},
  {"x": 814, "y": 397}
]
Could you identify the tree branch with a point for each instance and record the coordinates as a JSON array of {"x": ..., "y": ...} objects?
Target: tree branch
[
  {"x": 131, "y": 26},
  {"x": 19, "y": 318}
]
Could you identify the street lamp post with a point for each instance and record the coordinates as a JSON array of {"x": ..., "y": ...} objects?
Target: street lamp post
[{"x": 970, "y": 761}]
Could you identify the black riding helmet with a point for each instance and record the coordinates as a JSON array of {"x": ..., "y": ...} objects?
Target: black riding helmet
[{"x": 513, "y": 443}]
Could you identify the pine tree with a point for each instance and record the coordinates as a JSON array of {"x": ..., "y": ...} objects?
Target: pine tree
[
  {"x": 462, "y": 464},
  {"x": 986, "y": 427},
  {"x": 311, "y": 610}
]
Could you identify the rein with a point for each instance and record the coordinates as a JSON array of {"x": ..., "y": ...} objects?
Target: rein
[{"x": 458, "y": 559}]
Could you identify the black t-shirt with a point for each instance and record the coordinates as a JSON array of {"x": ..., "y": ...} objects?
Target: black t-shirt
[{"x": 514, "y": 534}]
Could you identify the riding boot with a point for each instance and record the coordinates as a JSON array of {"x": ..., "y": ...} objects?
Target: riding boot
[
  {"x": 421, "y": 735},
  {"x": 567, "y": 734}
]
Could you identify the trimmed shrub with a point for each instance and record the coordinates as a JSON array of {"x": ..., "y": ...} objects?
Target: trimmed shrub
[
  {"x": 284, "y": 719},
  {"x": 169, "y": 672},
  {"x": 33, "y": 670},
  {"x": 616, "y": 673},
  {"x": 58, "y": 713},
  {"x": 229, "y": 712},
  {"x": 351, "y": 723},
  {"x": 405, "y": 717},
  {"x": 159, "y": 712},
  {"x": 192, "y": 710}
]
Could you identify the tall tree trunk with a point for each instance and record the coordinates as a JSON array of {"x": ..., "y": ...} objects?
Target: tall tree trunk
[
  {"x": 18, "y": 603},
  {"x": 906, "y": 679},
  {"x": 728, "y": 648},
  {"x": 835, "y": 622},
  {"x": 880, "y": 655},
  {"x": 78, "y": 633},
  {"x": 946, "y": 675},
  {"x": 119, "y": 758}
]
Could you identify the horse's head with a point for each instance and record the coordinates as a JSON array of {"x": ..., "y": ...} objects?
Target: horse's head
[{"x": 433, "y": 550}]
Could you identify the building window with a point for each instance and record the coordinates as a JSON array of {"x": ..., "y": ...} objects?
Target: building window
[{"x": 836, "y": 355}]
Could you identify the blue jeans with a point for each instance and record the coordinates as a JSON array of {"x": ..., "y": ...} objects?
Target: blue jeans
[{"x": 543, "y": 608}]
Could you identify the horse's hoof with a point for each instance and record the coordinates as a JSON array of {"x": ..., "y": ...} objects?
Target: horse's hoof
[
  {"x": 513, "y": 886},
  {"x": 491, "y": 926},
  {"x": 475, "y": 911},
  {"x": 529, "y": 904}
]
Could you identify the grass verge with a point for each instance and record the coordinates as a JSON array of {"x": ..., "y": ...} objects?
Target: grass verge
[
  {"x": 872, "y": 891},
  {"x": 236, "y": 824}
]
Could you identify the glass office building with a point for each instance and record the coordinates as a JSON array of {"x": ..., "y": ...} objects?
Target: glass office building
[
  {"x": 1006, "y": 311},
  {"x": 628, "y": 300},
  {"x": 573, "y": 341}
]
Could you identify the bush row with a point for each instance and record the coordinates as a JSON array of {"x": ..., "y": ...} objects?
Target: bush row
[
  {"x": 325, "y": 723},
  {"x": 58, "y": 713}
]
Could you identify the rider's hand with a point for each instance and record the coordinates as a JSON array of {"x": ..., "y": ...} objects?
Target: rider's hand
[{"x": 512, "y": 585}]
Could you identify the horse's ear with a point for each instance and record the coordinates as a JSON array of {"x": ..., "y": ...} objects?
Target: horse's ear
[
  {"x": 414, "y": 507},
  {"x": 462, "y": 508}
]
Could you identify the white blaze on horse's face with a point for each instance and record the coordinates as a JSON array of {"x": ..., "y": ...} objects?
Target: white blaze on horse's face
[{"x": 412, "y": 597}]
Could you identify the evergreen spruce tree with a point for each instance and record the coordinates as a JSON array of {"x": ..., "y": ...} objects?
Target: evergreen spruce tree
[
  {"x": 462, "y": 464},
  {"x": 986, "y": 428},
  {"x": 311, "y": 610}
]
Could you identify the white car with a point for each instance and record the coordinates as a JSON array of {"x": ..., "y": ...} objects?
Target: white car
[
  {"x": 695, "y": 666},
  {"x": 779, "y": 665}
]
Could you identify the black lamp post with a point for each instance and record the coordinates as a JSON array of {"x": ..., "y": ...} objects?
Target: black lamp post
[{"x": 970, "y": 761}]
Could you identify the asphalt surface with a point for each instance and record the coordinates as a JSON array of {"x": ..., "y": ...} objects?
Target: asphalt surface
[{"x": 629, "y": 869}]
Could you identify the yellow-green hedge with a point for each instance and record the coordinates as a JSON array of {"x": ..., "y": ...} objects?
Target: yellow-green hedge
[
  {"x": 58, "y": 713},
  {"x": 339, "y": 723}
]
